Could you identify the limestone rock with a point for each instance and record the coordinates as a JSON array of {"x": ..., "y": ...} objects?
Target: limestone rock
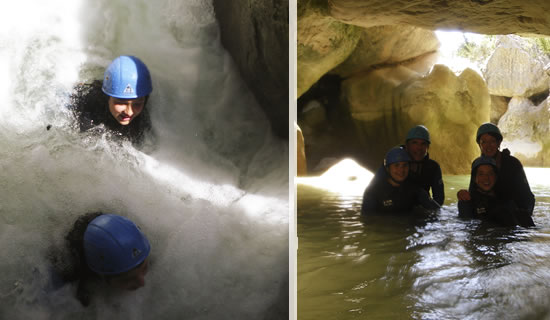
[
  {"x": 499, "y": 106},
  {"x": 479, "y": 16},
  {"x": 525, "y": 128},
  {"x": 513, "y": 70},
  {"x": 256, "y": 35},
  {"x": 322, "y": 44},
  {"x": 301, "y": 164},
  {"x": 383, "y": 45},
  {"x": 386, "y": 103}
]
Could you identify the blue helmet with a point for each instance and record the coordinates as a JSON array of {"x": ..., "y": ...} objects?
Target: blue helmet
[
  {"x": 490, "y": 129},
  {"x": 127, "y": 77},
  {"x": 418, "y": 132},
  {"x": 396, "y": 154},
  {"x": 484, "y": 160},
  {"x": 114, "y": 244}
]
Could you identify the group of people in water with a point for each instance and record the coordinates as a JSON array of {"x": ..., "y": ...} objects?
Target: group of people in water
[
  {"x": 103, "y": 250},
  {"x": 498, "y": 192}
]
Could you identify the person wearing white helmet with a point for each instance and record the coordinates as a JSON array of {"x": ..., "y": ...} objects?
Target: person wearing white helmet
[
  {"x": 512, "y": 182},
  {"x": 118, "y": 103},
  {"x": 485, "y": 203},
  {"x": 390, "y": 191},
  {"x": 103, "y": 251}
]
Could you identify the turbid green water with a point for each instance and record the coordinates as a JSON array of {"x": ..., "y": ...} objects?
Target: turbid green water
[{"x": 427, "y": 268}]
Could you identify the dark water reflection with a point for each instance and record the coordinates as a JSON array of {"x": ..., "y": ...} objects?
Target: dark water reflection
[{"x": 396, "y": 267}]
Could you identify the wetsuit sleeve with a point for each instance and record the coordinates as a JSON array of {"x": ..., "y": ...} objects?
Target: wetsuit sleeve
[
  {"x": 370, "y": 194},
  {"x": 438, "y": 189},
  {"x": 526, "y": 198},
  {"x": 465, "y": 209},
  {"x": 369, "y": 200},
  {"x": 425, "y": 201}
]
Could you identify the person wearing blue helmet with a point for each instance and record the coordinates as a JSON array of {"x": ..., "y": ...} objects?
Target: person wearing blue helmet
[
  {"x": 104, "y": 251},
  {"x": 423, "y": 171},
  {"x": 390, "y": 191},
  {"x": 118, "y": 103},
  {"x": 512, "y": 182},
  {"x": 485, "y": 203}
]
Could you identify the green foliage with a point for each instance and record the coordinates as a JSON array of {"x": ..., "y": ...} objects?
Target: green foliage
[
  {"x": 543, "y": 43},
  {"x": 477, "y": 52}
]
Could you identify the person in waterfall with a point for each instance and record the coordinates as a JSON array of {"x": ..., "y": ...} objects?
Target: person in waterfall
[
  {"x": 118, "y": 103},
  {"x": 103, "y": 252},
  {"x": 512, "y": 182},
  {"x": 485, "y": 203},
  {"x": 423, "y": 171},
  {"x": 391, "y": 192}
]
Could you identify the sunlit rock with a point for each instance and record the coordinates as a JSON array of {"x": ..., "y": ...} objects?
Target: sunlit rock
[
  {"x": 515, "y": 69},
  {"x": 386, "y": 103},
  {"x": 386, "y": 45},
  {"x": 525, "y": 128},
  {"x": 479, "y": 16},
  {"x": 499, "y": 105},
  {"x": 322, "y": 44},
  {"x": 301, "y": 164}
]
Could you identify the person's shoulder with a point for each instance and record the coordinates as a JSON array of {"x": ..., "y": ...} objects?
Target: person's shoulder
[
  {"x": 430, "y": 162},
  {"x": 507, "y": 157}
]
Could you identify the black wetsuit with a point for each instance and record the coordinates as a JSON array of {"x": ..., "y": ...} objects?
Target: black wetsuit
[
  {"x": 90, "y": 106},
  {"x": 489, "y": 207},
  {"x": 512, "y": 183},
  {"x": 428, "y": 176},
  {"x": 381, "y": 197}
]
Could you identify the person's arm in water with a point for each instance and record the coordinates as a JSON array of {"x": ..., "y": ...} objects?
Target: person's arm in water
[
  {"x": 424, "y": 199},
  {"x": 438, "y": 189},
  {"x": 369, "y": 200},
  {"x": 526, "y": 199},
  {"x": 465, "y": 209}
]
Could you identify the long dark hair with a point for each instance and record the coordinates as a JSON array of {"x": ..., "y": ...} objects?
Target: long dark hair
[{"x": 72, "y": 265}]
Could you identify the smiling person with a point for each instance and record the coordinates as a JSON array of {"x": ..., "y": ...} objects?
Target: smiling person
[
  {"x": 118, "y": 103},
  {"x": 512, "y": 182},
  {"x": 424, "y": 171},
  {"x": 391, "y": 191},
  {"x": 485, "y": 203},
  {"x": 104, "y": 252}
]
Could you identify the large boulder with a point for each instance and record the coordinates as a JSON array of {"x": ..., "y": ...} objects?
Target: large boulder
[
  {"x": 525, "y": 128},
  {"x": 516, "y": 68},
  {"x": 322, "y": 44},
  {"x": 499, "y": 106},
  {"x": 387, "y": 45},
  {"x": 387, "y": 102},
  {"x": 256, "y": 35}
]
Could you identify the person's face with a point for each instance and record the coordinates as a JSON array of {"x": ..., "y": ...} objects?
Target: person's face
[
  {"x": 488, "y": 145},
  {"x": 486, "y": 177},
  {"x": 399, "y": 171},
  {"x": 125, "y": 110},
  {"x": 131, "y": 280},
  {"x": 417, "y": 149}
]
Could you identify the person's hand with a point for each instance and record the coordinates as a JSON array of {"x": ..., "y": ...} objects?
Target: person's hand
[{"x": 463, "y": 195}]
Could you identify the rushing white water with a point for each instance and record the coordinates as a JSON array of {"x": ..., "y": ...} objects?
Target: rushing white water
[{"x": 212, "y": 195}]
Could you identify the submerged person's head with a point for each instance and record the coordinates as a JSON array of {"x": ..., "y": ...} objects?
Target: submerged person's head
[
  {"x": 127, "y": 82},
  {"x": 117, "y": 250},
  {"x": 417, "y": 142},
  {"x": 484, "y": 172},
  {"x": 488, "y": 138},
  {"x": 397, "y": 164}
]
